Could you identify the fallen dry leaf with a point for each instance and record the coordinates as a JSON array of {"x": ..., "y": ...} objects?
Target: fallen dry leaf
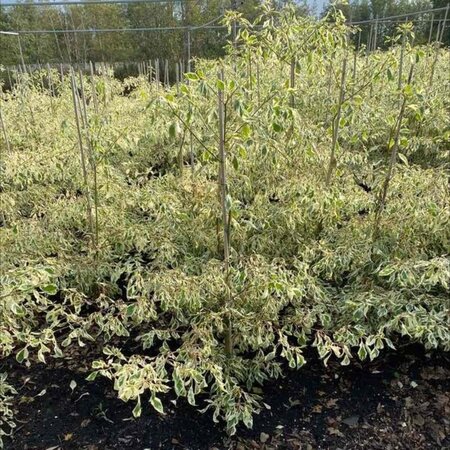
[
  {"x": 68, "y": 436},
  {"x": 317, "y": 409},
  {"x": 335, "y": 431}
]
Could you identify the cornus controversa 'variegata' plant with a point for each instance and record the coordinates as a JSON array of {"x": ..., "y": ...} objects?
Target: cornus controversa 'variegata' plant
[{"x": 197, "y": 238}]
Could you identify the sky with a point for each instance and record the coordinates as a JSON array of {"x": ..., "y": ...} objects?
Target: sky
[{"x": 319, "y": 3}]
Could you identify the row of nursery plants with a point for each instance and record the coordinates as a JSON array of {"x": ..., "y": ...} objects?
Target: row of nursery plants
[{"x": 293, "y": 194}]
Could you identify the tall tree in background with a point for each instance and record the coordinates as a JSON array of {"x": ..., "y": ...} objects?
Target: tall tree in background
[{"x": 146, "y": 45}]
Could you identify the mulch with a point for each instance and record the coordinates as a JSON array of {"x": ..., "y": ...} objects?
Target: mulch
[{"x": 399, "y": 401}]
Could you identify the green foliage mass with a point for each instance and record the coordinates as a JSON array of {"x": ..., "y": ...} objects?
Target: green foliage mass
[{"x": 133, "y": 250}]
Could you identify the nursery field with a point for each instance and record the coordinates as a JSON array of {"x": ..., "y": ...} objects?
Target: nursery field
[{"x": 193, "y": 243}]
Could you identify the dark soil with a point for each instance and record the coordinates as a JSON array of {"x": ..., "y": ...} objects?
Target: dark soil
[{"x": 399, "y": 401}]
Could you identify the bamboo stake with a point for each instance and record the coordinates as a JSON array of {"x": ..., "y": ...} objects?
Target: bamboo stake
[
  {"x": 93, "y": 87},
  {"x": 21, "y": 54},
  {"x": 189, "y": 51},
  {"x": 292, "y": 82},
  {"x": 431, "y": 29},
  {"x": 396, "y": 131},
  {"x": 9, "y": 78},
  {"x": 82, "y": 156},
  {"x": 166, "y": 74},
  {"x": 437, "y": 44},
  {"x": 50, "y": 79},
  {"x": 5, "y": 133},
  {"x": 258, "y": 92},
  {"x": 444, "y": 23},
  {"x": 223, "y": 201},
  {"x": 438, "y": 31},
  {"x": 369, "y": 41},
  {"x": 50, "y": 85},
  {"x": 91, "y": 158},
  {"x": 157, "y": 72},
  {"x": 400, "y": 66},
  {"x": 183, "y": 69},
  {"x": 375, "y": 37},
  {"x": 180, "y": 154},
  {"x": 330, "y": 77},
  {"x": 335, "y": 124}
]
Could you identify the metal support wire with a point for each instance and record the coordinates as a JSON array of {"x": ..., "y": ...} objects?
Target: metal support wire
[
  {"x": 118, "y": 30},
  {"x": 206, "y": 26},
  {"x": 90, "y": 2},
  {"x": 400, "y": 16}
]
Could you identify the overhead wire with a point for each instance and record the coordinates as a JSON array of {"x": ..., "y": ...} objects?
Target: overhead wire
[{"x": 92, "y": 2}]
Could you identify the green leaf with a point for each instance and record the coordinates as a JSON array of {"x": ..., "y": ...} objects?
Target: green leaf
[
  {"x": 228, "y": 202},
  {"x": 220, "y": 85},
  {"x": 403, "y": 159},
  {"x": 172, "y": 130},
  {"x": 242, "y": 151},
  {"x": 276, "y": 127},
  {"x": 157, "y": 404},
  {"x": 246, "y": 131},
  {"x": 390, "y": 75},
  {"x": 362, "y": 352},
  {"x": 235, "y": 163},
  {"x": 92, "y": 376},
  {"x": 41, "y": 357},
  {"x": 50, "y": 289},
  {"x": 130, "y": 310},
  {"x": 191, "y": 397},
  {"x": 178, "y": 385},
  {"x": 137, "y": 410},
  {"x": 419, "y": 55},
  {"x": 408, "y": 90},
  {"x": 191, "y": 76},
  {"x": 22, "y": 355},
  {"x": 358, "y": 100}
]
